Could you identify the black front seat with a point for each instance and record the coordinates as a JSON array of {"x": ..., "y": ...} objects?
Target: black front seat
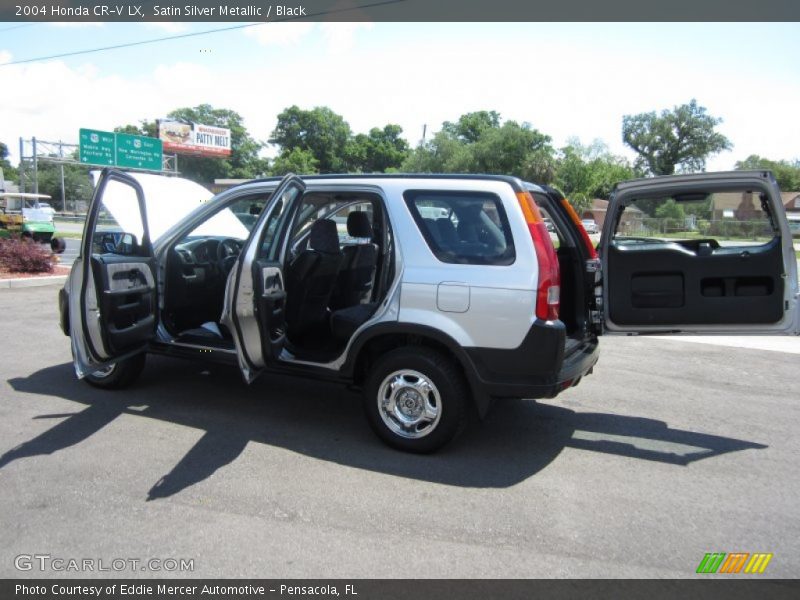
[
  {"x": 310, "y": 279},
  {"x": 357, "y": 273}
]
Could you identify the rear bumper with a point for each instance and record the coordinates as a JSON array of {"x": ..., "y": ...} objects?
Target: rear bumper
[{"x": 538, "y": 368}]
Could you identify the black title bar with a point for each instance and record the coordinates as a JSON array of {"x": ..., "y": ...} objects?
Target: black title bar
[
  {"x": 399, "y": 10},
  {"x": 397, "y": 589}
]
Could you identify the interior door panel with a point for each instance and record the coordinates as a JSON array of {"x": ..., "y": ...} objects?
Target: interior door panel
[
  {"x": 695, "y": 283},
  {"x": 270, "y": 307},
  {"x": 126, "y": 297}
]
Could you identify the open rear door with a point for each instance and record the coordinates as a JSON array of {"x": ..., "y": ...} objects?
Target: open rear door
[
  {"x": 709, "y": 253},
  {"x": 112, "y": 288},
  {"x": 255, "y": 296}
]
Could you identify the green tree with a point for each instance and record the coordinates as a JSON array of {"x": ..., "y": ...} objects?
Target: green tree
[
  {"x": 320, "y": 131},
  {"x": 478, "y": 143},
  {"x": 586, "y": 172},
  {"x": 9, "y": 172},
  {"x": 672, "y": 215},
  {"x": 145, "y": 128},
  {"x": 471, "y": 126},
  {"x": 787, "y": 173},
  {"x": 377, "y": 151},
  {"x": 681, "y": 138},
  {"x": 297, "y": 161},
  {"x": 510, "y": 149},
  {"x": 442, "y": 154},
  {"x": 78, "y": 185}
]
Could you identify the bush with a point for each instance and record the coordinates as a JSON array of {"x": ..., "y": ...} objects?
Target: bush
[{"x": 25, "y": 256}]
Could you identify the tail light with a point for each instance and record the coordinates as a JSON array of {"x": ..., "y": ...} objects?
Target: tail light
[
  {"x": 585, "y": 236},
  {"x": 548, "y": 293}
]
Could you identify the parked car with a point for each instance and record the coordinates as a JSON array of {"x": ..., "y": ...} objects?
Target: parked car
[
  {"x": 447, "y": 291},
  {"x": 590, "y": 226}
]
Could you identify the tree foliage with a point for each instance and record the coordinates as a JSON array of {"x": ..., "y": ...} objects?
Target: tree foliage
[
  {"x": 681, "y": 138},
  {"x": 326, "y": 137},
  {"x": 587, "y": 172},
  {"x": 787, "y": 173},
  {"x": 9, "y": 172},
  {"x": 478, "y": 143},
  {"x": 319, "y": 131},
  {"x": 78, "y": 185},
  {"x": 377, "y": 151},
  {"x": 297, "y": 161}
]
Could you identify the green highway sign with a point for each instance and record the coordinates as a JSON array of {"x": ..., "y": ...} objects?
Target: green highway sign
[
  {"x": 120, "y": 149},
  {"x": 97, "y": 147},
  {"x": 137, "y": 152}
]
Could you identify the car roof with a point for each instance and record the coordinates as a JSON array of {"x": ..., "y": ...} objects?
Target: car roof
[{"x": 517, "y": 184}]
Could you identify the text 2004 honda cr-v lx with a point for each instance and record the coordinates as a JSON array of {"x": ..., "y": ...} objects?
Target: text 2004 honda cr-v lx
[{"x": 431, "y": 293}]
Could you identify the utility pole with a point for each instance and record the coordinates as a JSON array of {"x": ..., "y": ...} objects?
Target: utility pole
[
  {"x": 21, "y": 165},
  {"x": 35, "y": 169},
  {"x": 63, "y": 191}
]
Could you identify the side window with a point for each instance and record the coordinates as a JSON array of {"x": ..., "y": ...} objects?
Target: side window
[
  {"x": 468, "y": 228},
  {"x": 731, "y": 218},
  {"x": 235, "y": 221},
  {"x": 118, "y": 228},
  {"x": 269, "y": 245}
]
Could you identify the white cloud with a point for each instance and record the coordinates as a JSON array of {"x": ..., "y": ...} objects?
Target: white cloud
[
  {"x": 339, "y": 37},
  {"x": 5, "y": 57}
]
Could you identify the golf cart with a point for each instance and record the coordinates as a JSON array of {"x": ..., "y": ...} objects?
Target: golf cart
[{"x": 22, "y": 215}]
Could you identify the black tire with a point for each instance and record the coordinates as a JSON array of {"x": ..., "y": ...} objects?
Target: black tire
[
  {"x": 448, "y": 390},
  {"x": 121, "y": 374},
  {"x": 58, "y": 245}
]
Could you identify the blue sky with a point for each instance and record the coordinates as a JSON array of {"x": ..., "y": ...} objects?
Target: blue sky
[{"x": 565, "y": 79}]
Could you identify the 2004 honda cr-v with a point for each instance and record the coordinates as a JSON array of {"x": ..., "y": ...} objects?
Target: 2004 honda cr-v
[{"x": 431, "y": 293}]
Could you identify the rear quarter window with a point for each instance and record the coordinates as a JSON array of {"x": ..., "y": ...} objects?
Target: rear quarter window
[{"x": 468, "y": 228}]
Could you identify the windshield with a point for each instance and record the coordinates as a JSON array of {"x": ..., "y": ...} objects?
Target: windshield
[{"x": 167, "y": 201}]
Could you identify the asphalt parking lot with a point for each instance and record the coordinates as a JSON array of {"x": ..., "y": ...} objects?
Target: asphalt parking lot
[{"x": 668, "y": 451}]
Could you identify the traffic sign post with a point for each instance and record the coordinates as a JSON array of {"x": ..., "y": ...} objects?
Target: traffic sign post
[
  {"x": 97, "y": 147},
  {"x": 120, "y": 149},
  {"x": 137, "y": 152}
]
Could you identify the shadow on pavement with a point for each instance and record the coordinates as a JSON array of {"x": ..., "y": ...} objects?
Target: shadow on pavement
[{"x": 517, "y": 440}]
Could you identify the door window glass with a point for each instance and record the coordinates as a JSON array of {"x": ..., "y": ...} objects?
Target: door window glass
[
  {"x": 118, "y": 227},
  {"x": 731, "y": 217}
]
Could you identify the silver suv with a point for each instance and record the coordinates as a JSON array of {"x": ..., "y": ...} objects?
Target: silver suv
[{"x": 433, "y": 294}]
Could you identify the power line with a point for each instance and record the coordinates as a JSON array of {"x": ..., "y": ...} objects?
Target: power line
[
  {"x": 191, "y": 34},
  {"x": 18, "y": 26},
  {"x": 129, "y": 44}
]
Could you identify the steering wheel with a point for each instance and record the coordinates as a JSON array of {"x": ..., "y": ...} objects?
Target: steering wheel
[{"x": 227, "y": 253}]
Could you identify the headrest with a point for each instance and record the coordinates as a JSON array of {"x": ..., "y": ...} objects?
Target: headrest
[
  {"x": 358, "y": 225},
  {"x": 447, "y": 231},
  {"x": 324, "y": 237}
]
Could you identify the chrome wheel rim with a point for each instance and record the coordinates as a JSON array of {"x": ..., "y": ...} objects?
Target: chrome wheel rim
[
  {"x": 103, "y": 373},
  {"x": 409, "y": 404}
]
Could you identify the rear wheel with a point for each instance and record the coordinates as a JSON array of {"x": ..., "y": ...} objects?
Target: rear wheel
[
  {"x": 119, "y": 375},
  {"x": 416, "y": 399}
]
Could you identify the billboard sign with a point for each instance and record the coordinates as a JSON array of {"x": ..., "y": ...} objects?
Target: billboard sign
[{"x": 185, "y": 137}]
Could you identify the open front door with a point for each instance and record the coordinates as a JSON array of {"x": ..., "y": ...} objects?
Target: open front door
[
  {"x": 255, "y": 296},
  {"x": 112, "y": 289},
  {"x": 707, "y": 253}
]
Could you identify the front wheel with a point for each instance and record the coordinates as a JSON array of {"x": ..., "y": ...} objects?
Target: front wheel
[
  {"x": 416, "y": 399},
  {"x": 119, "y": 375}
]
